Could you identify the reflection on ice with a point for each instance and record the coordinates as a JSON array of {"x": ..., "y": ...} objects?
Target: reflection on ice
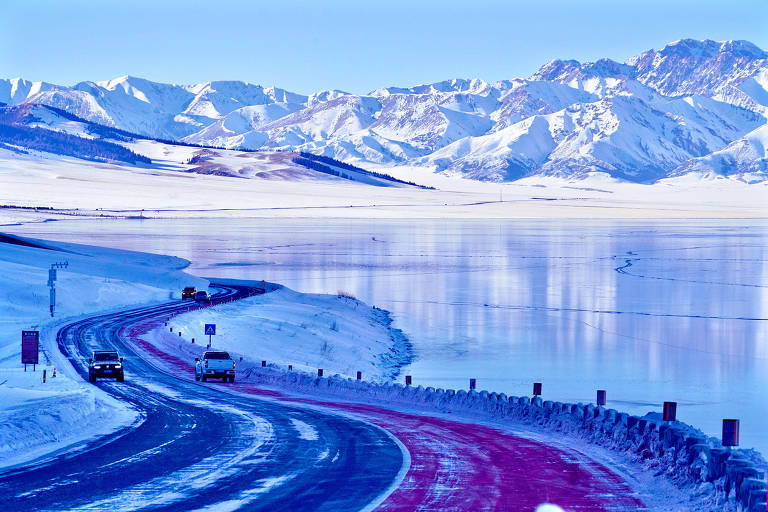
[{"x": 650, "y": 311}]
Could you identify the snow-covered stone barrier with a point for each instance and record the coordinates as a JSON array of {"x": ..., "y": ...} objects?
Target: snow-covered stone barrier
[{"x": 727, "y": 479}]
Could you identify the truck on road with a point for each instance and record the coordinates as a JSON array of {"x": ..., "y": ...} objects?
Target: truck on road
[{"x": 215, "y": 364}]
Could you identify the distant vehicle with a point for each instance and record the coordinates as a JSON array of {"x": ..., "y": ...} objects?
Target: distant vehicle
[
  {"x": 215, "y": 364},
  {"x": 188, "y": 293},
  {"x": 202, "y": 296},
  {"x": 105, "y": 364}
]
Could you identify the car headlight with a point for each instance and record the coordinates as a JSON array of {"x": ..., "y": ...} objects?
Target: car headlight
[
  {"x": 118, "y": 366},
  {"x": 98, "y": 367}
]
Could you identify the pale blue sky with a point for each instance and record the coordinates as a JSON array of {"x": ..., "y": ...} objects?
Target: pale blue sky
[{"x": 307, "y": 46}]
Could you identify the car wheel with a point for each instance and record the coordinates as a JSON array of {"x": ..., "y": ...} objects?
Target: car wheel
[
  {"x": 197, "y": 377},
  {"x": 121, "y": 378},
  {"x": 205, "y": 379},
  {"x": 232, "y": 380},
  {"x": 91, "y": 378}
]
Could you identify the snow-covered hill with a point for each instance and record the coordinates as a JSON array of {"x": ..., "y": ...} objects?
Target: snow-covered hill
[
  {"x": 661, "y": 113},
  {"x": 46, "y": 132}
]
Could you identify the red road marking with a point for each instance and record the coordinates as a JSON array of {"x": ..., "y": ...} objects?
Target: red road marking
[{"x": 464, "y": 467}]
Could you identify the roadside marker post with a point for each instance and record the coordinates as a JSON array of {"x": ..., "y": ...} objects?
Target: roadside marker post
[
  {"x": 193, "y": 340},
  {"x": 730, "y": 432},
  {"x": 263, "y": 364},
  {"x": 601, "y": 397},
  {"x": 290, "y": 367},
  {"x": 670, "y": 411},
  {"x": 472, "y": 384},
  {"x": 43, "y": 375},
  {"x": 210, "y": 330},
  {"x": 179, "y": 334},
  {"x": 408, "y": 380},
  {"x": 359, "y": 375},
  {"x": 319, "y": 372},
  {"x": 537, "y": 389}
]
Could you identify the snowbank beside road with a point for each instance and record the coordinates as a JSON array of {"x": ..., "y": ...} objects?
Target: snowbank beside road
[
  {"x": 309, "y": 331},
  {"x": 35, "y": 417}
]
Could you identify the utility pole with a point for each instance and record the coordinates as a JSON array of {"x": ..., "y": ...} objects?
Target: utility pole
[{"x": 52, "y": 282}]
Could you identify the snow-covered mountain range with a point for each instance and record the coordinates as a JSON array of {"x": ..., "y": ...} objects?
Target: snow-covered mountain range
[{"x": 693, "y": 106}]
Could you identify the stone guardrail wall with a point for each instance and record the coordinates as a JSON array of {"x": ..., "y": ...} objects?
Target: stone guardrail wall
[{"x": 735, "y": 479}]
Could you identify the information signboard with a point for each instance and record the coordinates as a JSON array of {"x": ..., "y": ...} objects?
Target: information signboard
[{"x": 30, "y": 347}]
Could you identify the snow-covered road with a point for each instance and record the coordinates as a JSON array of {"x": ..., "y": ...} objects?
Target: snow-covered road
[
  {"x": 235, "y": 446},
  {"x": 199, "y": 448}
]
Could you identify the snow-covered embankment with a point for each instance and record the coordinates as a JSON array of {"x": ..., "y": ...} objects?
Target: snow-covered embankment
[{"x": 308, "y": 331}]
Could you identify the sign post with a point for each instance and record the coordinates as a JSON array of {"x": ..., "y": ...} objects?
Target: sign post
[
  {"x": 52, "y": 283},
  {"x": 30, "y": 348},
  {"x": 210, "y": 330}
]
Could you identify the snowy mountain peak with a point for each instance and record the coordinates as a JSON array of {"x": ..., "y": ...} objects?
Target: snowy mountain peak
[
  {"x": 709, "y": 68},
  {"x": 121, "y": 81},
  {"x": 474, "y": 86},
  {"x": 323, "y": 96},
  {"x": 564, "y": 71},
  {"x": 17, "y": 90},
  {"x": 708, "y": 49},
  {"x": 556, "y": 70}
]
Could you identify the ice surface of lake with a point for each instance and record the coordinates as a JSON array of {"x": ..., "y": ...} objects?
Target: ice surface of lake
[{"x": 649, "y": 311}]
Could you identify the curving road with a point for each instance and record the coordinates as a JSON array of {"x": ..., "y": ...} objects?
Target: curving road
[
  {"x": 200, "y": 448},
  {"x": 218, "y": 447}
]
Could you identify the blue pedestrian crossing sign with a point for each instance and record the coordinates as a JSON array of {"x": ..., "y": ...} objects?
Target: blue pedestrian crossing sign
[{"x": 210, "y": 329}]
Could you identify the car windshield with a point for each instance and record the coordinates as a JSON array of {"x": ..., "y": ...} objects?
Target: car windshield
[
  {"x": 201, "y": 293},
  {"x": 216, "y": 355},
  {"x": 105, "y": 356}
]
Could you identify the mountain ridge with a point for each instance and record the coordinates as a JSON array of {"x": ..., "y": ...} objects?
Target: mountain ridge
[{"x": 659, "y": 113}]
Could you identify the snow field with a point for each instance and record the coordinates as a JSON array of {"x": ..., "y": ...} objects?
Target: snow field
[{"x": 88, "y": 189}]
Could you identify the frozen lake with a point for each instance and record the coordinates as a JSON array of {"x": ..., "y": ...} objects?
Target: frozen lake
[{"x": 649, "y": 311}]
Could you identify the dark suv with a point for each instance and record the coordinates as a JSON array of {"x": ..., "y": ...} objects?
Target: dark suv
[
  {"x": 188, "y": 293},
  {"x": 202, "y": 296},
  {"x": 105, "y": 364}
]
